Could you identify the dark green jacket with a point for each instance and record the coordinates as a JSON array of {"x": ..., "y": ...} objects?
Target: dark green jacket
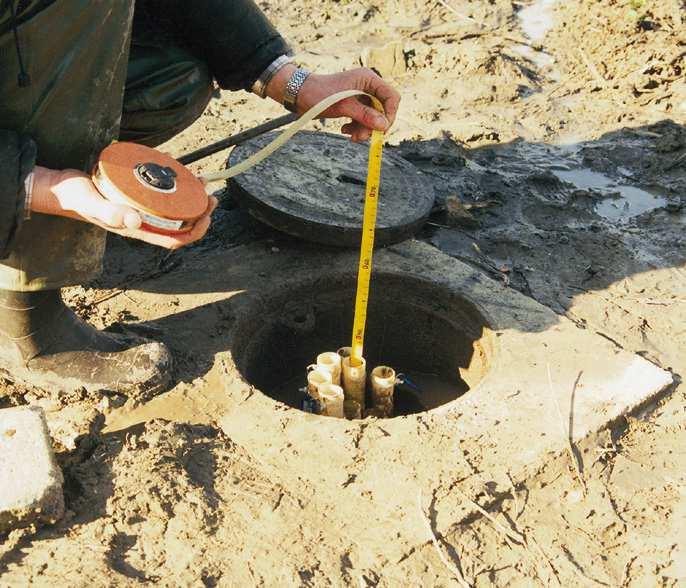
[{"x": 62, "y": 76}]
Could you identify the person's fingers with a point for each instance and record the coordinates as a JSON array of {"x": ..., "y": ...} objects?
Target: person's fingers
[
  {"x": 358, "y": 133},
  {"x": 361, "y": 135},
  {"x": 199, "y": 229},
  {"x": 132, "y": 220},
  {"x": 77, "y": 197},
  {"x": 111, "y": 215},
  {"x": 165, "y": 241},
  {"x": 195, "y": 234},
  {"x": 203, "y": 223},
  {"x": 389, "y": 96},
  {"x": 365, "y": 115},
  {"x": 158, "y": 239},
  {"x": 175, "y": 241},
  {"x": 211, "y": 204}
]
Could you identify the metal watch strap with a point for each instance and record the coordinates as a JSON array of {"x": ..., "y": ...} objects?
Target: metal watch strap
[
  {"x": 295, "y": 83},
  {"x": 261, "y": 83}
]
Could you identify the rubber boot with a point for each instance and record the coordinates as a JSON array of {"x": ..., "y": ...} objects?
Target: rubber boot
[{"x": 44, "y": 344}]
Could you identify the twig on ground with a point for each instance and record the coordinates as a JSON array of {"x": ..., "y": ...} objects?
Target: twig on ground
[
  {"x": 676, "y": 14},
  {"x": 107, "y": 296},
  {"x": 649, "y": 134},
  {"x": 578, "y": 570},
  {"x": 592, "y": 68},
  {"x": 560, "y": 87},
  {"x": 509, "y": 533},
  {"x": 452, "y": 568},
  {"x": 545, "y": 558},
  {"x": 513, "y": 490},
  {"x": 159, "y": 271},
  {"x": 512, "y": 534},
  {"x": 455, "y": 12},
  {"x": 626, "y": 579},
  {"x": 570, "y": 441},
  {"x": 125, "y": 295},
  {"x": 655, "y": 302}
]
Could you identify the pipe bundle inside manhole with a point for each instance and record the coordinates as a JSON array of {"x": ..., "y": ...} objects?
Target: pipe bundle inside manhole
[
  {"x": 427, "y": 346},
  {"x": 336, "y": 388}
]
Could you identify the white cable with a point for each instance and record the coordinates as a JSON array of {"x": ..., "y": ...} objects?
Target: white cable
[{"x": 282, "y": 139}]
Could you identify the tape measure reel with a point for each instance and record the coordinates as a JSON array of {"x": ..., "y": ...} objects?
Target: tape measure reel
[{"x": 167, "y": 195}]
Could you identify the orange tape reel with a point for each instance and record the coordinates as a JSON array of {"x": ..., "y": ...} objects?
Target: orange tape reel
[{"x": 167, "y": 195}]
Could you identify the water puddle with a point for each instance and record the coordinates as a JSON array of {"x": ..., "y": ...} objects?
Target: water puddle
[
  {"x": 536, "y": 19},
  {"x": 626, "y": 201},
  {"x": 425, "y": 392}
]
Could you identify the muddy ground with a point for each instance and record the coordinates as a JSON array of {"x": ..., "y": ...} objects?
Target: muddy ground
[{"x": 554, "y": 136}]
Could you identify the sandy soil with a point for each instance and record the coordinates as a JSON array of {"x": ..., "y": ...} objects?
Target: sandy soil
[{"x": 554, "y": 136}]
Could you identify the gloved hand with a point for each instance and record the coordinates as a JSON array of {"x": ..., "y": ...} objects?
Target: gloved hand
[
  {"x": 364, "y": 117},
  {"x": 71, "y": 193}
]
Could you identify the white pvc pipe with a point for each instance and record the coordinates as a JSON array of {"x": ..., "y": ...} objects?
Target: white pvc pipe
[
  {"x": 383, "y": 386},
  {"x": 354, "y": 381},
  {"x": 331, "y": 400},
  {"x": 316, "y": 378},
  {"x": 331, "y": 362}
]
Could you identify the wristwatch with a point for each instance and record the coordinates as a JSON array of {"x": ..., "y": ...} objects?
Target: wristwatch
[{"x": 295, "y": 83}]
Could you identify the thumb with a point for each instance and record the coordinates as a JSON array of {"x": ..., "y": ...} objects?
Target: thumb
[{"x": 365, "y": 115}]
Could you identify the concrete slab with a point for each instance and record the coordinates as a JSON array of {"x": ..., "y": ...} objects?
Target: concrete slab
[
  {"x": 30, "y": 480},
  {"x": 545, "y": 381}
]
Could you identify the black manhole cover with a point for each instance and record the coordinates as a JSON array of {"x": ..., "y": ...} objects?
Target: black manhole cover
[{"x": 313, "y": 188}]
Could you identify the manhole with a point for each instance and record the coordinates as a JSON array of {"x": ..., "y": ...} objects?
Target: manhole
[
  {"x": 313, "y": 188},
  {"x": 535, "y": 379},
  {"x": 437, "y": 338}
]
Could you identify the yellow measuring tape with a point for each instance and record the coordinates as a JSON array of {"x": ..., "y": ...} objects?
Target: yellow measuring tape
[
  {"x": 364, "y": 273},
  {"x": 370, "y": 203}
]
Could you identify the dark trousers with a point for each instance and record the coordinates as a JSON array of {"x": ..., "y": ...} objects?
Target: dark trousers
[{"x": 166, "y": 90}]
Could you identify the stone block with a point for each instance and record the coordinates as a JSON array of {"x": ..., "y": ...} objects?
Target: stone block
[{"x": 30, "y": 479}]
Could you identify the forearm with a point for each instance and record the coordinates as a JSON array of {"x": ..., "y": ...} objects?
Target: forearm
[{"x": 233, "y": 37}]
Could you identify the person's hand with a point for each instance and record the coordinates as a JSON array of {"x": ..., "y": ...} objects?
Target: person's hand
[
  {"x": 365, "y": 117},
  {"x": 71, "y": 193}
]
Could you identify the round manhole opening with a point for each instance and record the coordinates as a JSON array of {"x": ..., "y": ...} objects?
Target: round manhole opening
[{"x": 436, "y": 338}]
